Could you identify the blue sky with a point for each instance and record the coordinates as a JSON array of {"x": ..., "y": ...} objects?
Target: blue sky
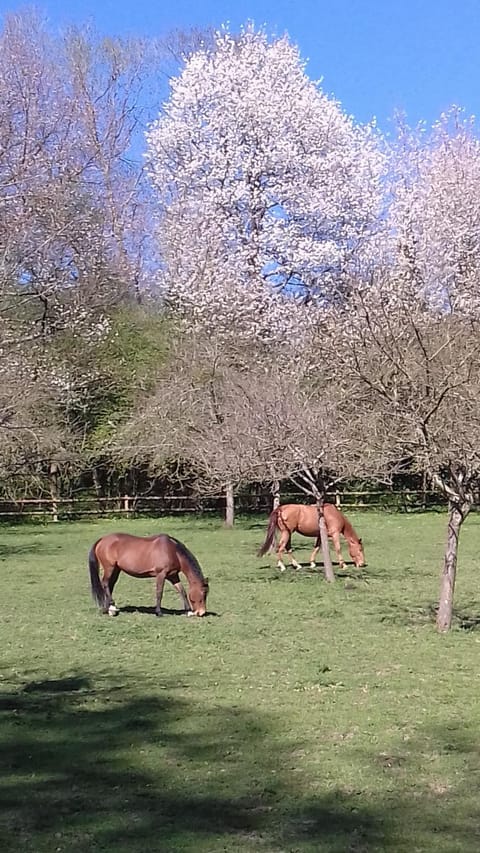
[{"x": 375, "y": 56}]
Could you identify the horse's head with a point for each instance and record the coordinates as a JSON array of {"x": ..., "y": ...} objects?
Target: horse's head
[
  {"x": 356, "y": 553},
  {"x": 198, "y": 597}
]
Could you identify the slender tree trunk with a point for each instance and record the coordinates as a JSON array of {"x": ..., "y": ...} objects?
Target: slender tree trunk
[
  {"x": 97, "y": 485},
  {"x": 457, "y": 513},
  {"x": 424, "y": 490},
  {"x": 230, "y": 505},
  {"x": 327, "y": 560},
  {"x": 276, "y": 493},
  {"x": 54, "y": 489},
  {"x": 276, "y": 504}
]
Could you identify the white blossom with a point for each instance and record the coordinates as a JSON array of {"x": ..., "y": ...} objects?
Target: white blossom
[
  {"x": 267, "y": 190},
  {"x": 435, "y": 217}
]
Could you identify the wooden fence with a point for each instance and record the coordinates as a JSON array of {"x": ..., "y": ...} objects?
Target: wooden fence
[{"x": 129, "y": 505}]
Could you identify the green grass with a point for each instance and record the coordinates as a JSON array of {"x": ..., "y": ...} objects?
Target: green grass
[{"x": 301, "y": 716}]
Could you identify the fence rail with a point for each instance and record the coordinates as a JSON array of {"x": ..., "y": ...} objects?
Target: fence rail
[{"x": 55, "y": 509}]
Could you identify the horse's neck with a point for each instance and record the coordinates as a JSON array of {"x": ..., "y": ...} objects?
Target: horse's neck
[
  {"x": 192, "y": 576},
  {"x": 191, "y": 569},
  {"x": 349, "y": 532}
]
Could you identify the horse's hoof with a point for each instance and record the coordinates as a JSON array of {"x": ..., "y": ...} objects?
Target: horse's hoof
[
  {"x": 158, "y": 613},
  {"x": 190, "y": 613},
  {"x": 313, "y": 565},
  {"x": 112, "y": 610}
]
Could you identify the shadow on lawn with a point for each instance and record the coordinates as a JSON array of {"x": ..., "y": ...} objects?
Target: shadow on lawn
[
  {"x": 147, "y": 610},
  {"x": 91, "y": 765},
  {"x": 466, "y": 618},
  {"x": 349, "y": 572},
  {"x": 32, "y": 547}
]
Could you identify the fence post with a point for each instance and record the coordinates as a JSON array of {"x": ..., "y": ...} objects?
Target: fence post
[
  {"x": 230, "y": 505},
  {"x": 54, "y": 489}
]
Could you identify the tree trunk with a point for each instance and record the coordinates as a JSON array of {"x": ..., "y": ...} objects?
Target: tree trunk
[
  {"x": 276, "y": 493},
  {"x": 327, "y": 560},
  {"x": 97, "y": 485},
  {"x": 54, "y": 489},
  {"x": 230, "y": 505},
  {"x": 424, "y": 490},
  {"x": 457, "y": 513}
]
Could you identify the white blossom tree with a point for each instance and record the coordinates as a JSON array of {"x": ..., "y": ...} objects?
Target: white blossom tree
[
  {"x": 434, "y": 213},
  {"x": 412, "y": 335},
  {"x": 268, "y": 193},
  {"x": 71, "y": 220}
]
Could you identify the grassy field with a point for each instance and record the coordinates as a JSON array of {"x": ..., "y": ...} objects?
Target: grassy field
[{"x": 298, "y": 716}]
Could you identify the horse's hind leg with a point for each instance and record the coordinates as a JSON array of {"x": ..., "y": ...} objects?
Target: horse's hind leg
[
  {"x": 315, "y": 551},
  {"x": 282, "y": 545},
  {"x": 112, "y": 608},
  {"x": 292, "y": 558},
  {"x": 109, "y": 579},
  {"x": 286, "y": 545}
]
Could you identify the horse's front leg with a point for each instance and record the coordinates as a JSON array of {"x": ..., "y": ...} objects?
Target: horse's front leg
[
  {"x": 160, "y": 582},
  {"x": 315, "y": 551},
  {"x": 338, "y": 549},
  {"x": 183, "y": 595}
]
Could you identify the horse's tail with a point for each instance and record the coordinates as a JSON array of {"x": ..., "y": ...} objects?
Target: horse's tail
[
  {"x": 98, "y": 592},
  {"x": 270, "y": 537}
]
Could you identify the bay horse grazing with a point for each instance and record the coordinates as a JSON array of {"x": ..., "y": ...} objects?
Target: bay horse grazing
[
  {"x": 160, "y": 556},
  {"x": 302, "y": 518}
]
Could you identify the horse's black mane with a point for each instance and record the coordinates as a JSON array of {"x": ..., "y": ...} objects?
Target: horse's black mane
[{"x": 191, "y": 558}]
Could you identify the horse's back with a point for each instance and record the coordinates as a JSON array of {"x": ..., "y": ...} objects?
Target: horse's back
[
  {"x": 138, "y": 554},
  {"x": 334, "y": 519},
  {"x": 121, "y": 541},
  {"x": 303, "y": 518},
  {"x": 106, "y": 545}
]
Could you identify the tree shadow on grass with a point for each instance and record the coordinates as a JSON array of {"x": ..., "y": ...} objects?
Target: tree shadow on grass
[
  {"x": 408, "y": 615},
  {"x": 78, "y": 773},
  {"x": 33, "y": 547},
  {"x": 466, "y": 618},
  {"x": 252, "y": 522},
  {"x": 443, "y": 759},
  {"x": 94, "y": 764}
]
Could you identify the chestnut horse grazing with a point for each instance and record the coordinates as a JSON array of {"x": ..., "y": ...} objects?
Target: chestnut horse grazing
[
  {"x": 161, "y": 557},
  {"x": 301, "y": 518}
]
